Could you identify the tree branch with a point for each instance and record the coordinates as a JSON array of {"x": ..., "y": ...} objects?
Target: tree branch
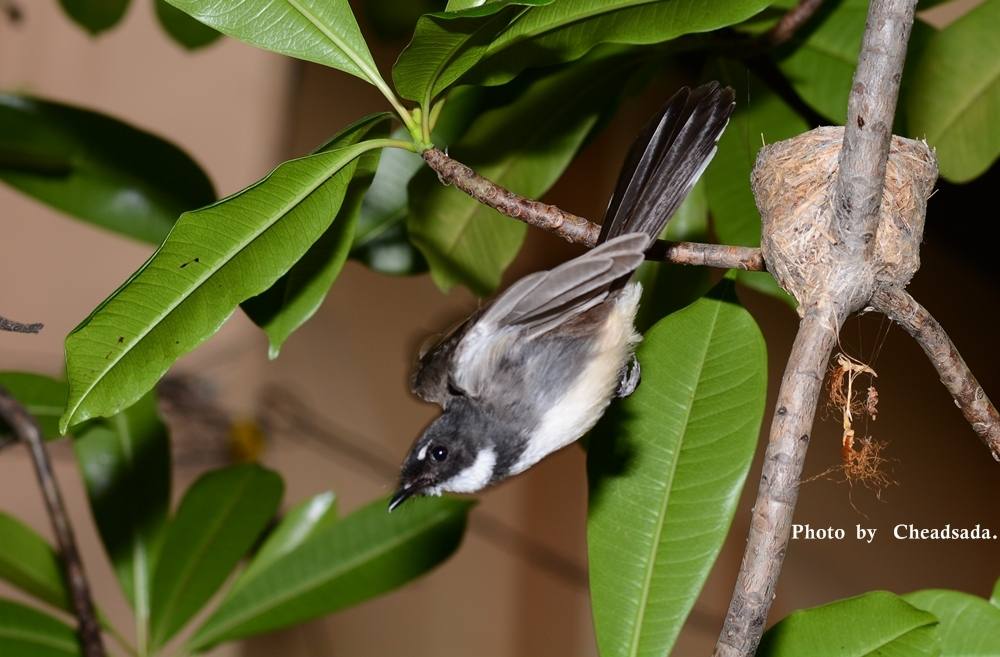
[
  {"x": 977, "y": 408},
  {"x": 856, "y": 195},
  {"x": 26, "y": 429},
  {"x": 18, "y": 327},
  {"x": 790, "y": 23},
  {"x": 779, "y": 485},
  {"x": 576, "y": 229},
  {"x": 870, "y": 110}
]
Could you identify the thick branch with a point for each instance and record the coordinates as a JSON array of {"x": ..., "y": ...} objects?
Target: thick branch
[
  {"x": 576, "y": 229},
  {"x": 870, "y": 111},
  {"x": 779, "y": 485},
  {"x": 977, "y": 408},
  {"x": 18, "y": 327},
  {"x": 26, "y": 429}
]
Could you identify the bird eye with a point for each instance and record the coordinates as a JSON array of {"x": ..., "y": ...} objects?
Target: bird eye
[{"x": 439, "y": 453}]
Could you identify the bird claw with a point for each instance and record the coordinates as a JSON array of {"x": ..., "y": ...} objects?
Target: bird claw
[{"x": 629, "y": 378}]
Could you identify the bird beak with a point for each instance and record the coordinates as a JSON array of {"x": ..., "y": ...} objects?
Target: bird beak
[{"x": 401, "y": 495}]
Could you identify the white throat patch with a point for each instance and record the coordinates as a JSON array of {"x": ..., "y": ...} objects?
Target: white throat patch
[{"x": 473, "y": 478}]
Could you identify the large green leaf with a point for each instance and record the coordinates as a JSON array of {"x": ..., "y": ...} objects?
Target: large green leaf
[
  {"x": 321, "y": 31},
  {"x": 952, "y": 95},
  {"x": 296, "y": 296},
  {"x": 42, "y": 396},
  {"x": 125, "y": 462},
  {"x": 182, "y": 28},
  {"x": 568, "y": 29},
  {"x": 95, "y": 16},
  {"x": 97, "y": 168},
  {"x": 666, "y": 468},
  {"x": 220, "y": 517},
  {"x": 970, "y": 626},
  {"x": 27, "y": 632},
  {"x": 28, "y": 562},
  {"x": 524, "y": 147},
  {"x": 366, "y": 554},
  {"x": 447, "y": 44},
  {"x": 213, "y": 259},
  {"x": 295, "y": 528},
  {"x": 764, "y": 118},
  {"x": 877, "y": 624}
]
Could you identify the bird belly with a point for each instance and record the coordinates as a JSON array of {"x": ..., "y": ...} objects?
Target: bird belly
[{"x": 586, "y": 398}]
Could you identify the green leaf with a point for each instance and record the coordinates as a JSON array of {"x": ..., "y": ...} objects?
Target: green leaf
[
  {"x": 821, "y": 66},
  {"x": 213, "y": 259},
  {"x": 952, "y": 95},
  {"x": 296, "y": 296},
  {"x": 125, "y": 462},
  {"x": 564, "y": 31},
  {"x": 524, "y": 147},
  {"x": 299, "y": 525},
  {"x": 366, "y": 554},
  {"x": 27, "y": 632},
  {"x": 666, "y": 468},
  {"x": 877, "y": 624},
  {"x": 29, "y": 563},
  {"x": 764, "y": 119},
  {"x": 182, "y": 28},
  {"x": 95, "y": 16},
  {"x": 969, "y": 626},
  {"x": 96, "y": 168},
  {"x": 220, "y": 517},
  {"x": 42, "y": 396},
  {"x": 447, "y": 44},
  {"x": 321, "y": 31}
]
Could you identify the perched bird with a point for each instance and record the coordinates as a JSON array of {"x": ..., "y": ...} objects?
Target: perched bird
[{"x": 535, "y": 369}]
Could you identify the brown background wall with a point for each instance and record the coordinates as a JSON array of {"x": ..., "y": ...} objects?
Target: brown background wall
[{"x": 239, "y": 111}]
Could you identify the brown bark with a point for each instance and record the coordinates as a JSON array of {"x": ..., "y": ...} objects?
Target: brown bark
[
  {"x": 576, "y": 229},
  {"x": 26, "y": 429},
  {"x": 956, "y": 376}
]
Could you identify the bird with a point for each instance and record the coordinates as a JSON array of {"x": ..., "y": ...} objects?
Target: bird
[{"x": 535, "y": 369}]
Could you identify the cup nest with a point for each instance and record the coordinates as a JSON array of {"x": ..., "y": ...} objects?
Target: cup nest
[{"x": 793, "y": 183}]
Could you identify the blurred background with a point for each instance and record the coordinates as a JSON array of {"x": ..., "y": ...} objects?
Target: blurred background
[{"x": 334, "y": 411}]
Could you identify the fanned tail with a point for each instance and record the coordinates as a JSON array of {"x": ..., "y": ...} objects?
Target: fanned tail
[{"x": 666, "y": 160}]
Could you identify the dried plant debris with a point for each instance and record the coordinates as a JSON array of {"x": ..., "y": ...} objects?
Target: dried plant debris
[{"x": 861, "y": 458}]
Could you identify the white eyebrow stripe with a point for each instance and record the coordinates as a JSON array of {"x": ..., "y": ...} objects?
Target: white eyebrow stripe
[{"x": 422, "y": 454}]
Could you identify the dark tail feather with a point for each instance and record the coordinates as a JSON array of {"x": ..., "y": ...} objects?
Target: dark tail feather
[{"x": 666, "y": 160}]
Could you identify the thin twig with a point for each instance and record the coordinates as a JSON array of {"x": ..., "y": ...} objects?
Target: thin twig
[
  {"x": 19, "y": 327},
  {"x": 576, "y": 229},
  {"x": 27, "y": 431},
  {"x": 779, "y": 485},
  {"x": 956, "y": 376},
  {"x": 790, "y": 23},
  {"x": 870, "y": 110}
]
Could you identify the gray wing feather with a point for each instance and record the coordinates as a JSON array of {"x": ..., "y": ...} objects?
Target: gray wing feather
[{"x": 536, "y": 304}]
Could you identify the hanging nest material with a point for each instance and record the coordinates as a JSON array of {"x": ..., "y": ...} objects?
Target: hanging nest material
[{"x": 793, "y": 183}]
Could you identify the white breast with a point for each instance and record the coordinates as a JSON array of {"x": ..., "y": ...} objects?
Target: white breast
[{"x": 582, "y": 405}]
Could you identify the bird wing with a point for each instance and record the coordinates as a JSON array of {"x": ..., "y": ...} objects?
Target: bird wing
[{"x": 466, "y": 360}]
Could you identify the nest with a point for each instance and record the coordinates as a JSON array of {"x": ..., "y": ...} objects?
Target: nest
[{"x": 793, "y": 183}]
